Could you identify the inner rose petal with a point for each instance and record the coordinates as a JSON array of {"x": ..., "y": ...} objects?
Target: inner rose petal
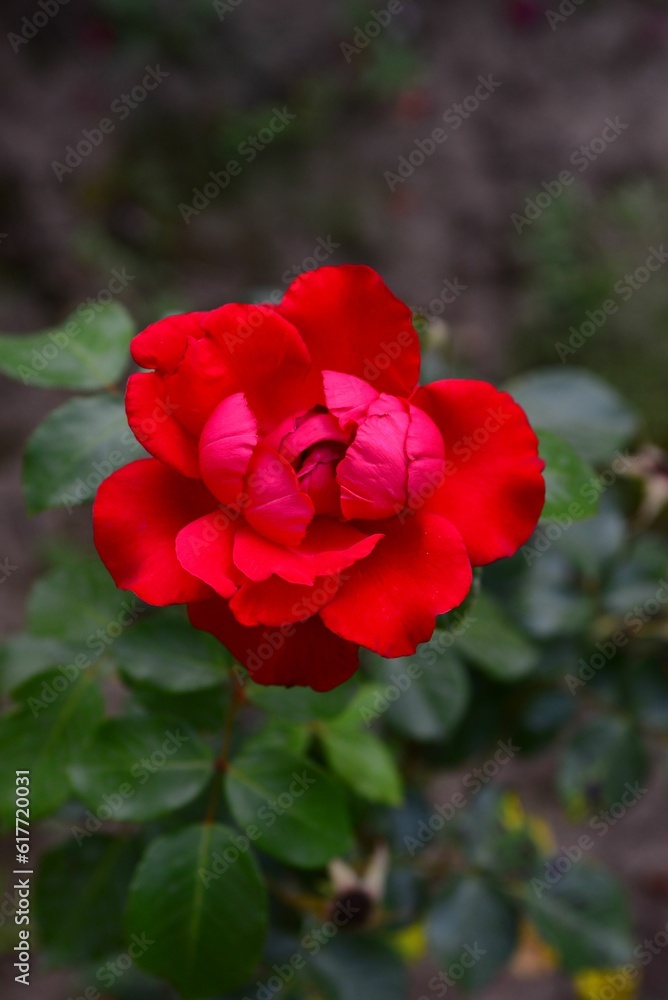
[{"x": 397, "y": 453}]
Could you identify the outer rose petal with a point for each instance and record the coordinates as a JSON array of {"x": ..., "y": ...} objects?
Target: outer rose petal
[
  {"x": 138, "y": 512},
  {"x": 276, "y": 507},
  {"x": 204, "y": 548},
  {"x": 306, "y": 654},
  {"x": 493, "y": 490},
  {"x": 226, "y": 447},
  {"x": 162, "y": 345},
  {"x": 397, "y": 452},
  {"x": 351, "y": 322},
  {"x": 275, "y": 602},
  {"x": 266, "y": 359},
  {"x": 390, "y": 600},
  {"x": 152, "y": 418},
  {"x": 329, "y": 547}
]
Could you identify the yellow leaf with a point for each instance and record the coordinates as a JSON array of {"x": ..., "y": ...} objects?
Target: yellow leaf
[
  {"x": 411, "y": 942},
  {"x": 614, "y": 984}
]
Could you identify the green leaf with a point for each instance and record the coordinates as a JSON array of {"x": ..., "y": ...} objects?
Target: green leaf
[
  {"x": 355, "y": 966},
  {"x": 492, "y": 832},
  {"x": 80, "y": 898},
  {"x": 566, "y": 477},
  {"x": 203, "y": 710},
  {"x": 549, "y": 601},
  {"x": 74, "y": 449},
  {"x": 360, "y": 758},
  {"x": 23, "y": 657},
  {"x": 300, "y": 811},
  {"x": 301, "y": 704},
  {"x": 472, "y": 929},
  {"x": 165, "y": 652},
  {"x": 578, "y": 406},
  {"x": 45, "y": 735},
  {"x": 495, "y": 645},
  {"x": 425, "y": 697},
  {"x": 199, "y": 897},
  {"x": 601, "y": 762},
  {"x": 80, "y": 603},
  {"x": 88, "y": 351},
  {"x": 584, "y": 917},
  {"x": 141, "y": 769}
]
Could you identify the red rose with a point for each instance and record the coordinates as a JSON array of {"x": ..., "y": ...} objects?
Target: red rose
[{"x": 305, "y": 498}]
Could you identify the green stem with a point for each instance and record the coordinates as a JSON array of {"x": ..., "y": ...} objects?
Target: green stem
[{"x": 220, "y": 766}]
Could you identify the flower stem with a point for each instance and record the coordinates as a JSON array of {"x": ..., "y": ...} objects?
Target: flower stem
[{"x": 220, "y": 765}]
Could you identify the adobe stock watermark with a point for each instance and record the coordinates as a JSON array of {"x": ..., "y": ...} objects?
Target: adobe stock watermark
[
  {"x": 31, "y": 25},
  {"x": 112, "y": 970},
  {"x": 364, "y": 34},
  {"x": 600, "y": 824},
  {"x": 224, "y": 7},
  {"x": 97, "y": 642},
  {"x": 564, "y": 11},
  {"x": 624, "y": 289},
  {"x": 454, "y": 117},
  {"x": 390, "y": 351},
  {"x": 632, "y": 624},
  {"x": 7, "y": 569},
  {"x": 582, "y": 158},
  {"x": 266, "y": 816},
  {"x": 248, "y": 150},
  {"x": 474, "y": 781},
  {"x": 427, "y": 654},
  {"x": 85, "y": 313},
  {"x": 121, "y": 107},
  {"x": 463, "y": 450},
  {"x": 140, "y": 772},
  {"x": 617, "y": 982}
]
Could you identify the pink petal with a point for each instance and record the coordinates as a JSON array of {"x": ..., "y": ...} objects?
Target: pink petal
[
  {"x": 277, "y": 508},
  {"x": 226, "y": 446}
]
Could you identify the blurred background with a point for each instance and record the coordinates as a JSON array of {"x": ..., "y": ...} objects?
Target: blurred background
[{"x": 179, "y": 156}]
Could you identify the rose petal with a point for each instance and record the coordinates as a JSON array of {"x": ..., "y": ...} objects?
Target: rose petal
[
  {"x": 493, "y": 490},
  {"x": 328, "y": 547},
  {"x": 226, "y": 446},
  {"x": 204, "y": 548},
  {"x": 152, "y": 416},
  {"x": 390, "y": 601},
  {"x": 306, "y": 654},
  {"x": 138, "y": 512},
  {"x": 351, "y": 322},
  {"x": 276, "y": 507}
]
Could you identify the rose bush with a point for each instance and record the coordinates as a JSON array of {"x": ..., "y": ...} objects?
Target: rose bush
[{"x": 305, "y": 497}]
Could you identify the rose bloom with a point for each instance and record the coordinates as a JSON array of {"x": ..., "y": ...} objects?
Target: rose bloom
[{"x": 304, "y": 497}]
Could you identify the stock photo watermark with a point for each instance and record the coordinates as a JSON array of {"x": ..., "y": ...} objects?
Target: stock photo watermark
[
  {"x": 600, "y": 824},
  {"x": 121, "y": 108},
  {"x": 454, "y": 117},
  {"x": 582, "y": 158},
  {"x": 624, "y": 289},
  {"x": 632, "y": 624},
  {"x": 248, "y": 150},
  {"x": 473, "y": 781},
  {"x": 364, "y": 34}
]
